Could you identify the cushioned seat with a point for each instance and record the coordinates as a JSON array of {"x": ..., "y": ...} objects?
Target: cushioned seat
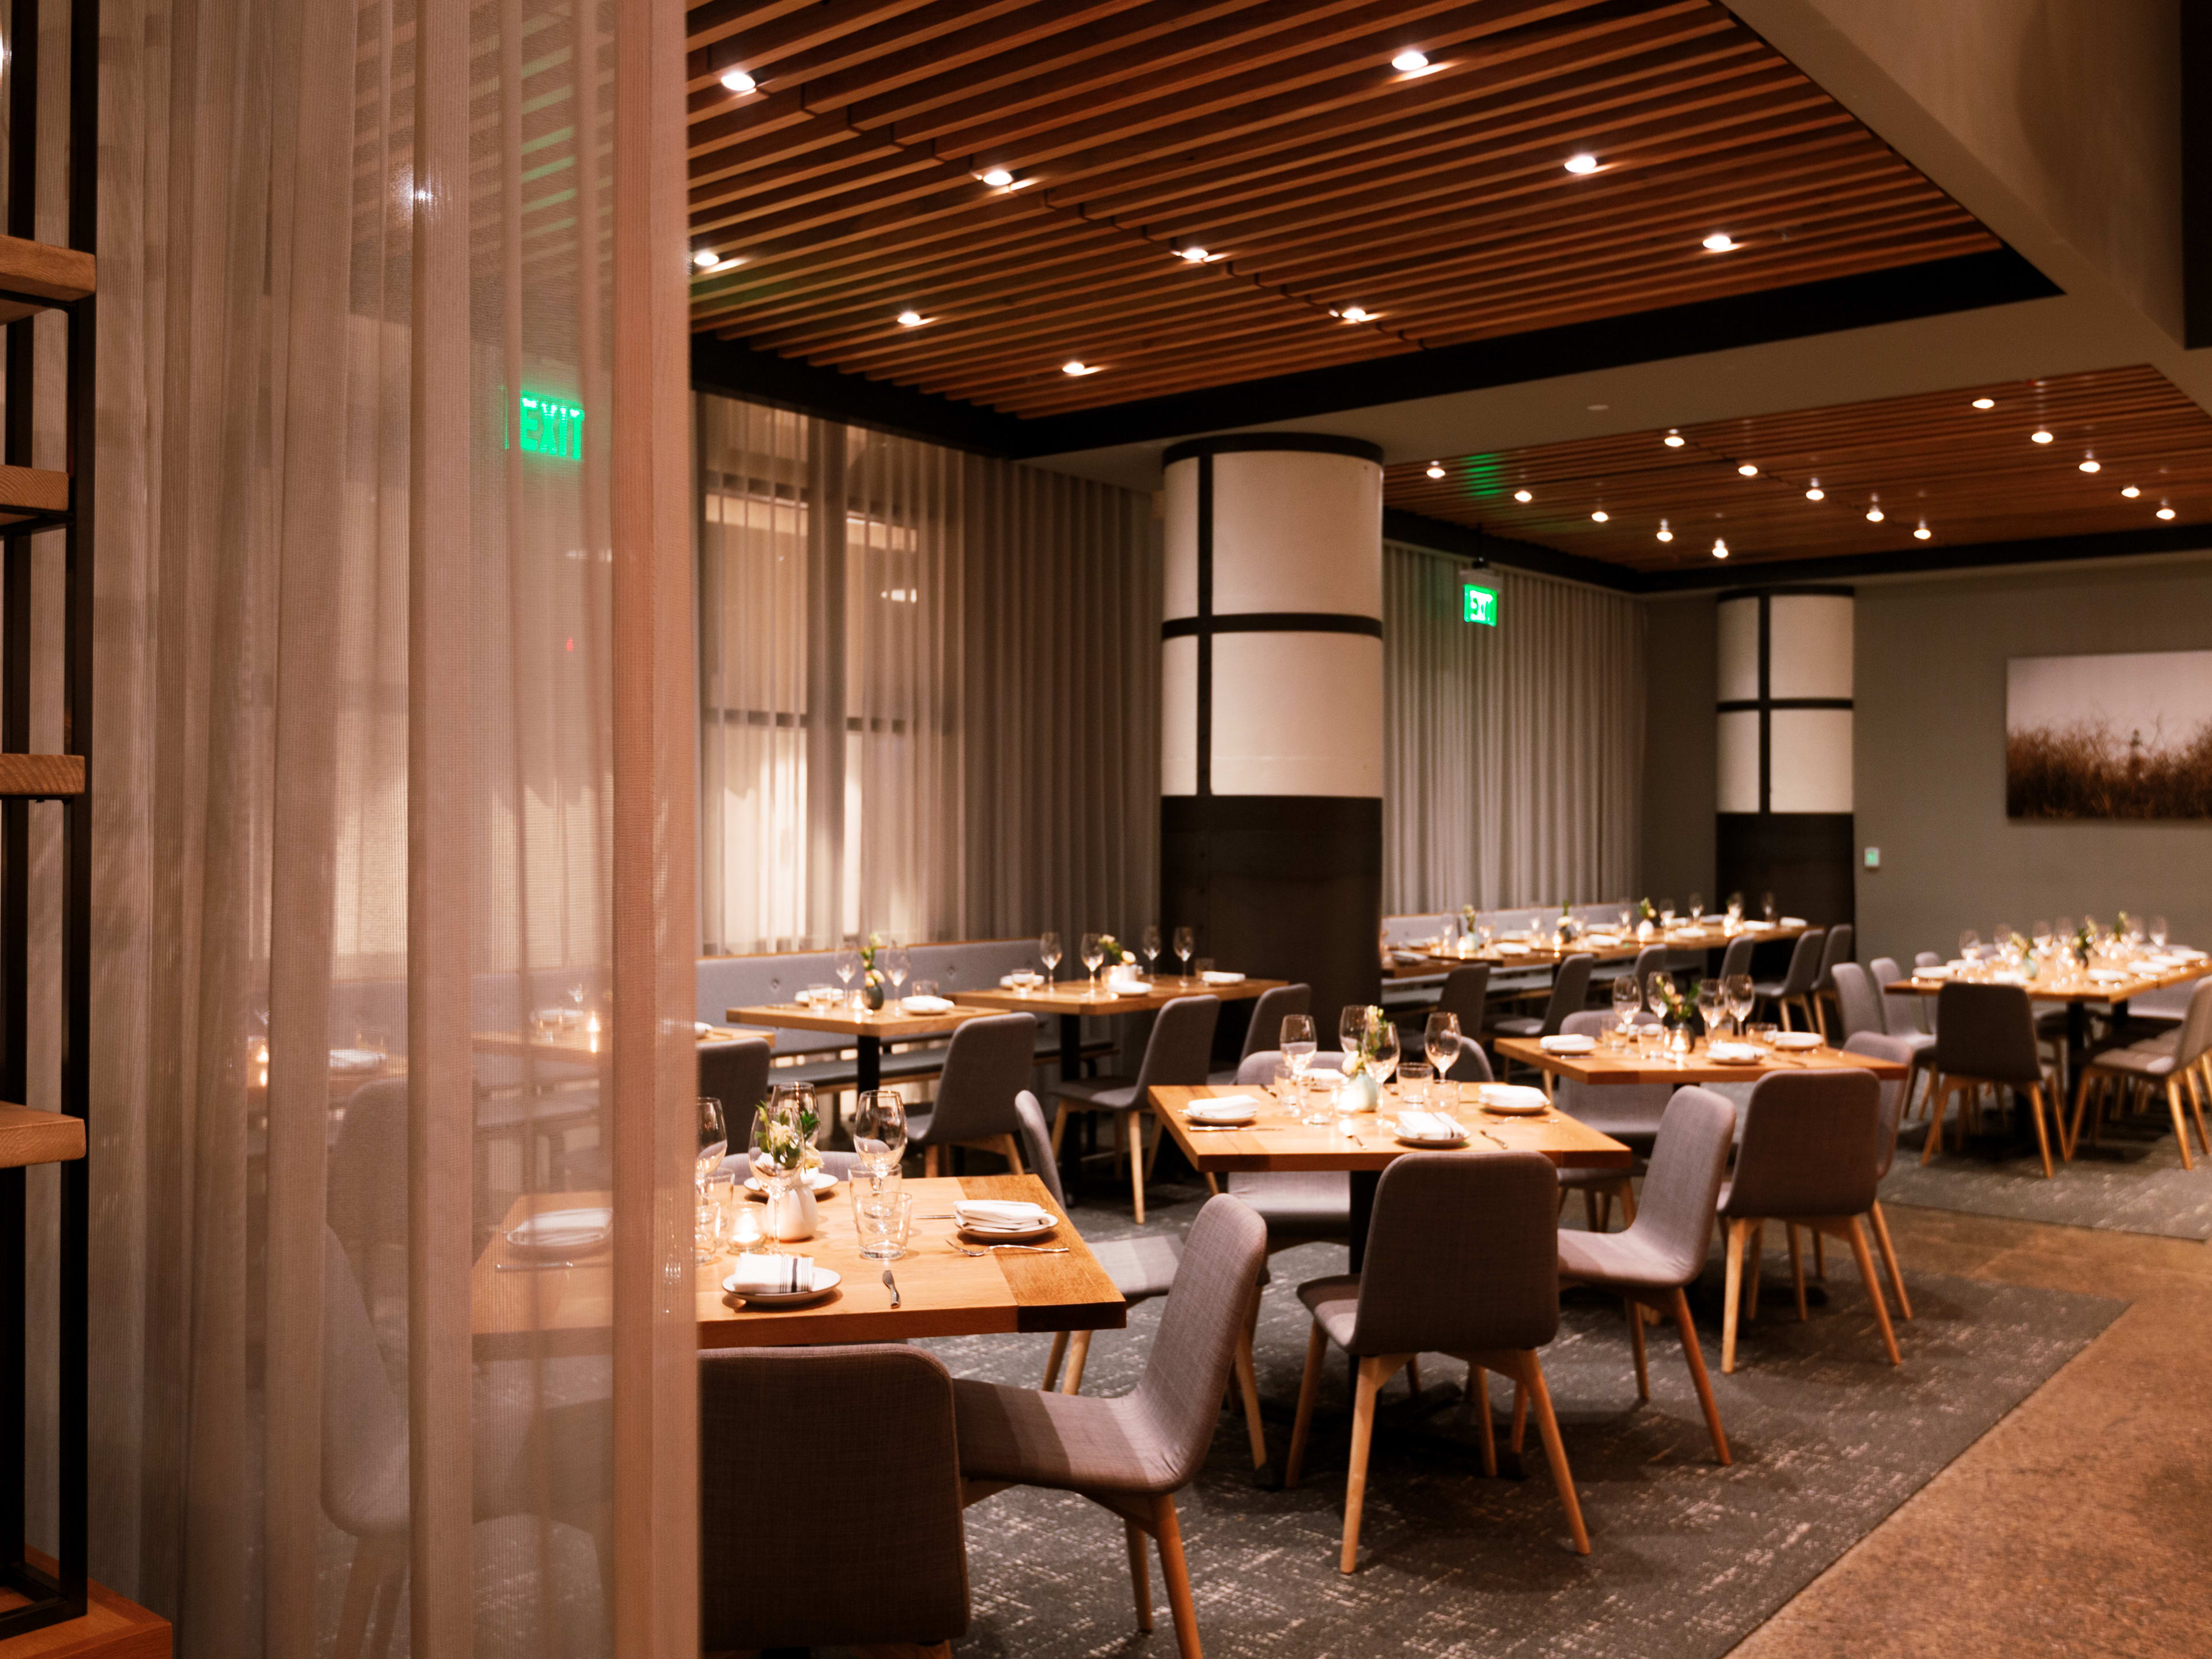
[
  {"x": 1265, "y": 1027},
  {"x": 1334, "y": 1304},
  {"x": 1300, "y": 1207},
  {"x": 1570, "y": 990},
  {"x": 2179, "y": 1066},
  {"x": 1071, "y": 1442},
  {"x": 1140, "y": 1267},
  {"x": 1176, "y": 1054}
]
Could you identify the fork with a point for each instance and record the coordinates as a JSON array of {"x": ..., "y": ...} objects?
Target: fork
[{"x": 1034, "y": 1249}]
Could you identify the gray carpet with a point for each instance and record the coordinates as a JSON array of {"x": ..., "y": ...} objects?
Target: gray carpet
[
  {"x": 1688, "y": 1558},
  {"x": 2132, "y": 1182}
]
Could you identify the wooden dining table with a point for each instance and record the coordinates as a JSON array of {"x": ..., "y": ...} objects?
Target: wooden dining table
[
  {"x": 1604, "y": 1066},
  {"x": 522, "y": 1304},
  {"x": 1072, "y": 999},
  {"x": 1603, "y": 943},
  {"x": 2079, "y": 991},
  {"x": 869, "y": 1028},
  {"x": 1278, "y": 1141}
]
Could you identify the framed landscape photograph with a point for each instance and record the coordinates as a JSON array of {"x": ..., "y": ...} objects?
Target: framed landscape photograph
[{"x": 2122, "y": 736}]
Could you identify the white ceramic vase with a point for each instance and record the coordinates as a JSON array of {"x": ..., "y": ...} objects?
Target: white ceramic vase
[{"x": 794, "y": 1214}]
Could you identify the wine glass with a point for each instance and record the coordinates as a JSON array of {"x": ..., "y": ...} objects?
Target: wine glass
[
  {"x": 2041, "y": 934},
  {"x": 2158, "y": 932},
  {"x": 1970, "y": 945},
  {"x": 878, "y": 1129},
  {"x": 1743, "y": 996},
  {"x": 713, "y": 1144},
  {"x": 1655, "y": 995},
  {"x": 1767, "y": 906},
  {"x": 897, "y": 964},
  {"x": 1048, "y": 953},
  {"x": 1382, "y": 1049},
  {"x": 1351, "y": 1032},
  {"x": 1709, "y": 1005},
  {"x": 1697, "y": 907},
  {"x": 576, "y": 1000},
  {"x": 1628, "y": 998},
  {"x": 1185, "y": 943},
  {"x": 1094, "y": 952},
  {"x": 1148, "y": 945},
  {"x": 1667, "y": 911},
  {"x": 1298, "y": 1044},
  {"x": 1440, "y": 1041},
  {"x": 849, "y": 960}
]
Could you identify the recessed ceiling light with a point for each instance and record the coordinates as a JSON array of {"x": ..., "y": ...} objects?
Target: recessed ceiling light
[
  {"x": 1665, "y": 534},
  {"x": 1585, "y": 162},
  {"x": 2039, "y": 435},
  {"x": 1195, "y": 255},
  {"x": 1410, "y": 62},
  {"x": 2165, "y": 512},
  {"x": 1076, "y": 366},
  {"x": 910, "y": 319},
  {"x": 1985, "y": 403},
  {"x": 1354, "y": 313},
  {"x": 2130, "y": 492},
  {"x": 1720, "y": 548},
  {"x": 705, "y": 257},
  {"x": 1719, "y": 242},
  {"x": 737, "y": 81},
  {"x": 1874, "y": 515},
  {"x": 1522, "y": 495},
  {"x": 1674, "y": 441},
  {"x": 1924, "y": 532},
  {"x": 1816, "y": 494},
  {"x": 1436, "y": 469},
  {"x": 1600, "y": 515},
  {"x": 998, "y": 178},
  {"x": 2091, "y": 465},
  {"x": 1747, "y": 471}
]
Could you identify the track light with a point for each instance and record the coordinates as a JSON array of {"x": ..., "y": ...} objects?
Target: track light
[
  {"x": 1720, "y": 242},
  {"x": 998, "y": 178},
  {"x": 1924, "y": 532},
  {"x": 2091, "y": 465},
  {"x": 1665, "y": 534},
  {"x": 1581, "y": 163},
  {"x": 2130, "y": 492},
  {"x": 1720, "y": 548},
  {"x": 1816, "y": 494},
  {"x": 1410, "y": 62},
  {"x": 1747, "y": 471},
  {"x": 1674, "y": 441},
  {"x": 1522, "y": 495},
  {"x": 1600, "y": 516},
  {"x": 737, "y": 81},
  {"x": 1436, "y": 469},
  {"x": 2165, "y": 512},
  {"x": 2039, "y": 435}
]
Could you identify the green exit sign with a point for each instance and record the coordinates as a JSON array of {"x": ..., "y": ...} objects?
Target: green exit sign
[
  {"x": 1478, "y": 599},
  {"x": 546, "y": 425}
]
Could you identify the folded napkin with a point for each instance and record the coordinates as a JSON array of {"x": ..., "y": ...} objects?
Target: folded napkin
[
  {"x": 1015, "y": 981},
  {"x": 1001, "y": 1212},
  {"x": 1405, "y": 957},
  {"x": 1222, "y": 1106},
  {"x": 355, "y": 1059},
  {"x": 771, "y": 1275},
  {"x": 1124, "y": 985},
  {"x": 1734, "y": 1054},
  {"x": 1793, "y": 922},
  {"x": 1430, "y": 1126},
  {"x": 1512, "y": 950},
  {"x": 926, "y": 1005},
  {"x": 1567, "y": 1044},
  {"x": 1217, "y": 976}
]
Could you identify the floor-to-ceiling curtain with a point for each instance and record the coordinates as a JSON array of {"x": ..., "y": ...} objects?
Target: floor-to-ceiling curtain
[
  {"x": 1513, "y": 771},
  {"x": 928, "y": 690},
  {"x": 394, "y": 765}
]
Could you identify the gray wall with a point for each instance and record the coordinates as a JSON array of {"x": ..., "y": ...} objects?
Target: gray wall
[
  {"x": 1930, "y": 757},
  {"x": 1679, "y": 750}
]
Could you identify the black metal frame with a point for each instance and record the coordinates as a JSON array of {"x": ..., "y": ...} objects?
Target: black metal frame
[{"x": 50, "y": 1598}]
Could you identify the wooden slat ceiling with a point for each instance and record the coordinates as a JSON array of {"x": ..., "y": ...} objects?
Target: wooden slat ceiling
[
  {"x": 1275, "y": 134},
  {"x": 1969, "y": 475}
]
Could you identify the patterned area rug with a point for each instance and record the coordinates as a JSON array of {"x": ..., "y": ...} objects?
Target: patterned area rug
[
  {"x": 1688, "y": 1557},
  {"x": 2132, "y": 1182}
]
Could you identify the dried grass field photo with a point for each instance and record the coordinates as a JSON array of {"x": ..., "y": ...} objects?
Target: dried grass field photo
[{"x": 2126, "y": 736}]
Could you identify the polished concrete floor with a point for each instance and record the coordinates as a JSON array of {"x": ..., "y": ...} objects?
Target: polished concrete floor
[{"x": 2082, "y": 1522}]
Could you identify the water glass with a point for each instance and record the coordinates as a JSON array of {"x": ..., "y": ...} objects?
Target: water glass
[
  {"x": 1297, "y": 1043},
  {"x": 1762, "y": 1034},
  {"x": 1667, "y": 911},
  {"x": 1709, "y": 1005},
  {"x": 878, "y": 1129},
  {"x": 1148, "y": 943},
  {"x": 1203, "y": 966},
  {"x": 897, "y": 962},
  {"x": 1382, "y": 1047},
  {"x": 1352, "y": 1029},
  {"x": 1648, "y": 1041},
  {"x": 848, "y": 959},
  {"x": 1094, "y": 952},
  {"x": 1743, "y": 996},
  {"x": 1317, "y": 1093},
  {"x": 882, "y": 1220},
  {"x": 1628, "y": 998},
  {"x": 923, "y": 988},
  {"x": 1697, "y": 907},
  {"x": 2158, "y": 932},
  {"x": 1413, "y": 1076}
]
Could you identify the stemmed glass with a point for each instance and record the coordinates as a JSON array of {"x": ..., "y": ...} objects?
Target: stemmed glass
[
  {"x": 1970, "y": 945},
  {"x": 576, "y": 1000},
  {"x": 713, "y": 1144},
  {"x": 1628, "y": 998},
  {"x": 1708, "y": 1006},
  {"x": 1697, "y": 907},
  {"x": 1743, "y": 996},
  {"x": 1666, "y": 913},
  {"x": 1148, "y": 945},
  {"x": 1440, "y": 1041},
  {"x": 1048, "y": 953},
  {"x": 2158, "y": 932},
  {"x": 897, "y": 964},
  {"x": 1655, "y": 995},
  {"x": 1185, "y": 942},
  {"x": 1297, "y": 1043},
  {"x": 878, "y": 1129},
  {"x": 1382, "y": 1045},
  {"x": 849, "y": 960},
  {"x": 779, "y": 1132},
  {"x": 2041, "y": 934},
  {"x": 1094, "y": 952},
  {"x": 1351, "y": 1032}
]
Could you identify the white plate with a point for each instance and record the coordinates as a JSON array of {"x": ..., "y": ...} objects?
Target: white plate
[
  {"x": 826, "y": 1279},
  {"x": 560, "y": 1233},
  {"x": 1008, "y": 1234},
  {"x": 1734, "y": 1054},
  {"x": 1797, "y": 1040},
  {"x": 1568, "y": 1045},
  {"x": 1512, "y": 950},
  {"x": 1428, "y": 1145},
  {"x": 355, "y": 1059},
  {"x": 925, "y": 1005},
  {"x": 1512, "y": 1099},
  {"x": 1931, "y": 973},
  {"x": 1221, "y": 976},
  {"x": 2110, "y": 976},
  {"x": 818, "y": 1180}
]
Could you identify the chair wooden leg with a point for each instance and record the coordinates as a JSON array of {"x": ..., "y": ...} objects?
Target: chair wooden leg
[
  {"x": 1754, "y": 1264},
  {"x": 1856, "y": 1236},
  {"x": 1590, "y": 1210},
  {"x": 1413, "y": 1376},
  {"x": 1478, "y": 1394},
  {"x": 1139, "y": 1577},
  {"x": 929, "y": 1162},
  {"x": 1705, "y": 1383},
  {"x": 1010, "y": 1148},
  {"x": 1309, "y": 1385},
  {"x": 1133, "y": 1139},
  {"x": 1078, "y": 1352},
  {"x": 1939, "y": 1102},
  {"x": 1736, "y": 1231},
  {"x": 1059, "y": 1124},
  {"x": 2197, "y": 1092},
  {"x": 1053, "y": 1360},
  {"x": 1212, "y": 1184},
  {"x": 2072, "y": 1136},
  {"x": 2042, "y": 1134},
  {"x": 1627, "y": 1202},
  {"x": 1819, "y": 1256},
  {"x": 1247, "y": 1385},
  {"x": 1888, "y": 1258},
  {"x": 1797, "y": 1270},
  {"x": 2180, "y": 1126},
  {"x": 1518, "y": 1434},
  {"x": 1636, "y": 1345},
  {"x": 1374, "y": 1371},
  {"x": 376, "y": 1563},
  {"x": 1168, "y": 1535},
  {"x": 1547, "y": 1426}
]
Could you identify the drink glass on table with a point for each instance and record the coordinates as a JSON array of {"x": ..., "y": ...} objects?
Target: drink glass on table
[
  {"x": 2041, "y": 934},
  {"x": 1767, "y": 906},
  {"x": 1628, "y": 998},
  {"x": 2158, "y": 932},
  {"x": 1048, "y": 953},
  {"x": 1697, "y": 907},
  {"x": 1708, "y": 1006},
  {"x": 1186, "y": 941},
  {"x": 714, "y": 1145},
  {"x": 1383, "y": 1049},
  {"x": 1440, "y": 1041},
  {"x": 849, "y": 960},
  {"x": 1094, "y": 952},
  {"x": 1148, "y": 945},
  {"x": 897, "y": 965},
  {"x": 882, "y": 1220},
  {"x": 878, "y": 1129},
  {"x": 1413, "y": 1076},
  {"x": 1741, "y": 996},
  {"x": 1351, "y": 1031},
  {"x": 1970, "y": 945},
  {"x": 1298, "y": 1044},
  {"x": 1317, "y": 1092},
  {"x": 1667, "y": 911}
]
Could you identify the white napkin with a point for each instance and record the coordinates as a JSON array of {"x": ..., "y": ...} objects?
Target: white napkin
[
  {"x": 1793, "y": 922},
  {"x": 1124, "y": 985},
  {"x": 1734, "y": 1054},
  {"x": 1512, "y": 950},
  {"x": 771, "y": 1275},
  {"x": 1218, "y": 977},
  {"x": 562, "y": 1229},
  {"x": 1220, "y": 1106},
  {"x": 355, "y": 1059},
  {"x": 1001, "y": 1212},
  {"x": 926, "y": 1005},
  {"x": 1566, "y": 1044},
  {"x": 1430, "y": 1126}
]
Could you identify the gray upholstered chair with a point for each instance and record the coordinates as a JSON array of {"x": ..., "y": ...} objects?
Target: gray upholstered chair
[
  {"x": 1811, "y": 1146},
  {"x": 1570, "y": 991},
  {"x": 1736, "y": 959},
  {"x": 1465, "y": 992},
  {"x": 735, "y": 1073},
  {"x": 1141, "y": 1268},
  {"x": 1300, "y": 1207},
  {"x": 1133, "y": 1453},
  {"x": 1651, "y": 959},
  {"x": 1894, "y": 1094},
  {"x": 1838, "y": 949},
  {"x": 1859, "y": 1005},
  {"x": 1794, "y": 990},
  {"x": 892, "y": 1492},
  {"x": 1629, "y": 1112},
  {"x": 1651, "y": 1264},
  {"x": 1179, "y": 1052},
  {"x": 1462, "y": 1258},
  {"x": 1265, "y": 1029},
  {"x": 987, "y": 1064},
  {"x": 1985, "y": 1035},
  {"x": 2179, "y": 1062}
]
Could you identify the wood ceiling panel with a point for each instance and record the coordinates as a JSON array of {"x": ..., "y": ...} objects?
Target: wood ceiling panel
[
  {"x": 1969, "y": 475},
  {"x": 1275, "y": 134}
]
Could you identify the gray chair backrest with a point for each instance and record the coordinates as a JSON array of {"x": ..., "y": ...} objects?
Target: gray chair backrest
[
  {"x": 1036, "y": 1144},
  {"x": 1275, "y": 1006},
  {"x": 1179, "y": 1397},
  {"x": 366, "y": 1182},
  {"x": 1736, "y": 959},
  {"x": 2195, "y": 1037},
  {"x": 884, "y": 1483},
  {"x": 989, "y": 1062},
  {"x": 1462, "y": 1253},
  {"x": 1570, "y": 990},
  {"x": 1181, "y": 1048},
  {"x": 1804, "y": 965},
  {"x": 1876, "y": 1045},
  {"x": 736, "y": 1073},
  {"x": 1464, "y": 993},
  {"x": 1854, "y": 996},
  {"x": 1927, "y": 959},
  {"x": 364, "y": 1426},
  {"x": 1674, "y": 1219},
  {"x": 1473, "y": 1066},
  {"x": 1986, "y": 1031},
  {"x": 1900, "y": 1009},
  {"x": 1616, "y": 1103},
  {"x": 1838, "y": 950},
  {"x": 1809, "y": 1145},
  {"x": 1259, "y": 1065},
  {"x": 1651, "y": 959}
]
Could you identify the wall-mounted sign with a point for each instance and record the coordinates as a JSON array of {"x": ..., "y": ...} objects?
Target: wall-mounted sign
[
  {"x": 547, "y": 425},
  {"x": 1478, "y": 597}
]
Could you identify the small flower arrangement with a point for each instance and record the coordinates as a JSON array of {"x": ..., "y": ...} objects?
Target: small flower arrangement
[
  {"x": 1369, "y": 1058},
  {"x": 1644, "y": 911},
  {"x": 2085, "y": 942},
  {"x": 786, "y": 1136},
  {"x": 1114, "y": 949},
  {"x": 2120, "y": 927},
  {"x": 1567, "y": 929},
  {"x": 1466, "y": 918},
  {"x": 871, "y": 981}
]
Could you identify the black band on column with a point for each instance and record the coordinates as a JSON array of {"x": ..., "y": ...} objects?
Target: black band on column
[{"x": 1273, "y": 622}]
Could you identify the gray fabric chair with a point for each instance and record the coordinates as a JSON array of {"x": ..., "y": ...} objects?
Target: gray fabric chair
[
  {"x": 1570, "y": 991},
  {"x": 2171, "y": 1065},
  {"x": 1178, "y": 1053},
  {"x": 987, "y": 1064},
  {"x": 892, "y": 1492},
  {"x": 1811, "y": 1146},
  {"x": 1985, "y": 1035},
  {"x": 1462, "y": 1258},
  {"x": 1894, "y": 1094},
  {"x": 1465, "y": 993},
  {"x": 1141, "y": 1268},
  {"x": 1736, "y": 959},
  {"x": 1630, "y": 1113},
  {"x": 735, "y": 1073},
  {"x": 1902, "y": 1012},
  {"x": 1131, "y": 1455},
  {"x": 1838, "y": 950},
  {"x": 1265, "y": 1029},
  {"x": 1652, "y": 1264},
  {"x": 1301, "y": 1206},
  {"x": 1651, "y": 959},
  {"x": 1862, "y": 1010},
  {"x": 1794, "y": 990}
]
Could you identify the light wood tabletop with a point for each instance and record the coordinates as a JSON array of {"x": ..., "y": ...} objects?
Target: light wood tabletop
[
  {"x": 579, "y": 1046},
  {"x": 1077, "y": 997},
  {"x": 2072, "y": 987},
  {"x": 890, "y": 1023},
  {"x": 518, "y": 1310},
  {"x": 1603, "y": 1065},
  {"x": 1278, "y": 1141},
  {"x": 1605, "y": 945}
]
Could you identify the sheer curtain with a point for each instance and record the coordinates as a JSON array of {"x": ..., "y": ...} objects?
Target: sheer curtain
[
  {"x": 1513, "y": 769},
  {"x": 394, "y": 753},
  {"x": 927, "y": 686}
]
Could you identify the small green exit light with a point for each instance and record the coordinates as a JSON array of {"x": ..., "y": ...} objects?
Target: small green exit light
[
  {"x": 1478, "y": 599},
  {"x": 546, "y": 425}
]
